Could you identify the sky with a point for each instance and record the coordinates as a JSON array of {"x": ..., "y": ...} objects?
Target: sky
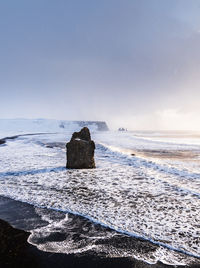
[{"x": 132, "y": 63}]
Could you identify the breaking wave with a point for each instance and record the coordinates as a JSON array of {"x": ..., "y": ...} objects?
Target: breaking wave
[{"x": 136, "y": 194}]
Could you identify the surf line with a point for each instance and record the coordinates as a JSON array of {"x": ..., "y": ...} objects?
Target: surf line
[
  {"x": 91, "y": 219},
  {"x": 3, "y": 141}
]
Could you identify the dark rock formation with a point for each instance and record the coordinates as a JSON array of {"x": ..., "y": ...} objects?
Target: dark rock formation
[
  {"x": 2, "y": 142},
  {"x": 80, "y": 150},
  {"x": 62, "y": 125},
  {"x": 122, "y": 129}
]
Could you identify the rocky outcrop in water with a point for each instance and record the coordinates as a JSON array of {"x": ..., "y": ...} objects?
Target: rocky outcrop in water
[{"x": 80, "y": 150}]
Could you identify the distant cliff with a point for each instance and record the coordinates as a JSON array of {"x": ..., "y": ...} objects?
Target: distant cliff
[
  {"x": 10, "y": 127},
  {"x": 92, "y": 125},
  {"x": 101, "y": 125}
]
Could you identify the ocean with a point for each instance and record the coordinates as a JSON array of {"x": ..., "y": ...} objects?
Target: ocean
[{"x": 141, "y": 201}]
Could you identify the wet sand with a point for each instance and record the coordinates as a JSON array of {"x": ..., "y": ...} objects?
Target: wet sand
[
  {"x": 183, "y": 155},
  {"x": 15, "y": 251}
]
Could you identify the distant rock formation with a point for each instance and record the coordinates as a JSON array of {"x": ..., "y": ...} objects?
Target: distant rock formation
[
  {"x": 101, "y": 125},
  {"x": 80, "y": 150},
  {"x": 62, "y": 125},
  {"x": 97, "y": 125},
  {"x": 25, "y": 126},
  {"x": 122, "y": 129}
]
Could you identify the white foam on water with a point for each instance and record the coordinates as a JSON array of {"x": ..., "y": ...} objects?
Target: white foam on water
[{"x": 138, "y": 196}]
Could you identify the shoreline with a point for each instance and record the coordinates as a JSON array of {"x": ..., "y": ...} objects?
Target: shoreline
[
  {"x": 16, "y": 251},
  {"x": 4, "y": 140}
]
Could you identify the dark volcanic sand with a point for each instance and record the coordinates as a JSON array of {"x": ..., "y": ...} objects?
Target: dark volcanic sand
[{"x": 15, "y": 251}]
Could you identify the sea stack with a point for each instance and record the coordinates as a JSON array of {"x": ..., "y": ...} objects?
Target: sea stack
[{"x": 80, "y": 150}]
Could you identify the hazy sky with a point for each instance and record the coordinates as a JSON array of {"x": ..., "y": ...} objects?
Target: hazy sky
[{"x": 133, "y": 63}]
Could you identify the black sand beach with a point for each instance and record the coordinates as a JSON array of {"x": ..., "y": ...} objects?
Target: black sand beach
[{"x": 15, "y": 251}]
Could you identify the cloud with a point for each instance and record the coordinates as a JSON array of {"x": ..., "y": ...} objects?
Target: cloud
[{"x": 104, "y": 60}]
